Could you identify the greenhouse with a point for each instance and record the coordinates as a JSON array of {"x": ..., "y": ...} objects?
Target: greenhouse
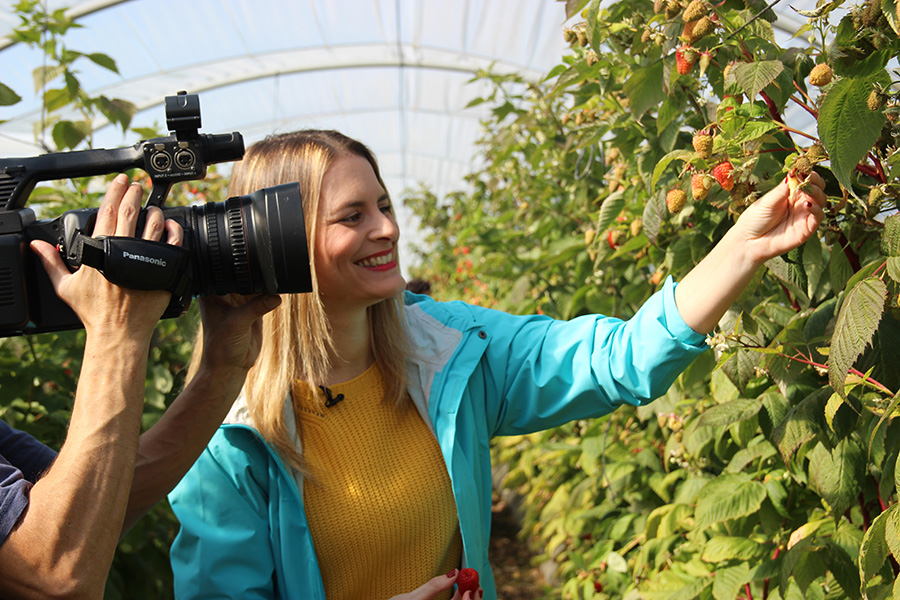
[{"x": 656, "y": 253}]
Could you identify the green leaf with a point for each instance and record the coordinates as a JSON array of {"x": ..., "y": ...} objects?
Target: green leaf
[
  {"x": 67, "y": 135},
  {"x": 889, "y": 9},
  {"x": 644, "y": 88},
  {"x": 7, "y": 96},
  {"x": 654, "y": 214},
  {"x": 753, "y": 77},
  {"x": 837, "y": 475},
  {"x": 728, "y": 581},
  {"x": 573, "y": 7},
  {"x": 728, "y": 497},
  {"x": 722, "y": 548},
  {"x": 893, "y": 268},
  {"x": 104, "y": 61},
  {"x": 801, "y": 424},
  {"x": 663, "y": 164},
  {"x": 723, "y": 415},
  {"x": 892, "y": 532},
  {"x": 610, "y": 209},
  {"x": 844, "y": 109},
  {"x": 890, "y": 239},
  {"x": 856, "y": 323},
  {"x": 874, "y": 549}
]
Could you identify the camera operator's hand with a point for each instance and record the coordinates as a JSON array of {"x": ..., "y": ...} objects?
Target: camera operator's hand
[{"x": 102, "y": 306}]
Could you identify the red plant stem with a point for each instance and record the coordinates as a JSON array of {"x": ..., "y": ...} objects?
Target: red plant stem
[
  {"x": 806, "y": 361},
  {"x": 878, "y": 166},
  {"x": 749, "y": 593},
  {"x": 851, "y": 255},
  {"x": 805, "y": 106},
  {"x": 878, "y": 492},
  {"x": 870, "y": 171},
  {"x": 794, "y": 304},
  {"x": 766, "y": 582},
  {"x": 790, "y": 130}
]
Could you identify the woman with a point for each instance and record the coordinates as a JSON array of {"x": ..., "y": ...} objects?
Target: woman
[{"x": 356, "y": 462}]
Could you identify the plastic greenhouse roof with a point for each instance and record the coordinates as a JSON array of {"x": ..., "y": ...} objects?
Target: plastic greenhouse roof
[{"x": 392, "y": 73}]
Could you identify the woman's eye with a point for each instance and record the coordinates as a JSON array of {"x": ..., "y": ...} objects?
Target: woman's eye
[
  {"x": 351, "y": 218},
  {"x": 387, "y": 208}
]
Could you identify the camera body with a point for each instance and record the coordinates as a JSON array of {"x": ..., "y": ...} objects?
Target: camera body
[{"x": 249, "y": 244}]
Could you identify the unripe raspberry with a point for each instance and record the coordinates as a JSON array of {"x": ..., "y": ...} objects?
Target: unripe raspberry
[
  {"x": 695, "y": 10},
  {"x": 703, "y": 28},
  {"x": 876, "y": 100},
  {"x": 803, "y": 165},
  {"x": 673, "y": 7},
  {"x": 703, "y": 145},
  {"x": 821, "y": 75},
  {"x": 817, "y": 152},
  {"x": 675, "y": 200}
]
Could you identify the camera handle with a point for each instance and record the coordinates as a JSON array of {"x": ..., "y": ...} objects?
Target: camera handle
[{"x": 135, "y": 263}]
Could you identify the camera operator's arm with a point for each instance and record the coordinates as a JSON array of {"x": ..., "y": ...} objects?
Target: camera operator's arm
[
  {"x": 776, "y": 223},
  {"x": 64, "y": 543},
  {"x": 231, "y": 340}
]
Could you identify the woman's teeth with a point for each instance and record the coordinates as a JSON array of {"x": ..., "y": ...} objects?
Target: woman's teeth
[{"x": 377, "y": 261}]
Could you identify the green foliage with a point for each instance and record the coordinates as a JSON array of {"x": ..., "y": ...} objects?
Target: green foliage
[{"x": 770, "y": 468}]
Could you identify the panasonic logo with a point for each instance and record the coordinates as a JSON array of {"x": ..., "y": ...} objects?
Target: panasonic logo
[{"x": 144, "y": 259}]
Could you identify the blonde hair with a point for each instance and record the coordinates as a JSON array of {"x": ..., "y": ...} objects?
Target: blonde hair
[{"x": 296, "y": 336}]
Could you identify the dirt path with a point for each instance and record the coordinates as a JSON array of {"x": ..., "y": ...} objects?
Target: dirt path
[{"x": 517, "y": 578}]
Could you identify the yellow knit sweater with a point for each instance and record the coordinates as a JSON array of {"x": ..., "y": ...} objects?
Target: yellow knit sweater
[{"x": 379, "y": 503}]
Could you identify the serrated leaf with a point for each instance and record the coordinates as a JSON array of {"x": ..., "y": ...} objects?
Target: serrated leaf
[
  {"x": 893, "y": 268},
  {"x": 654, "y": 215},
  {"x": 610, "y": 209},
  {"x": 727, "y": 497},
  {"x": 644, "y": 88},
  {"x": 845, "y": 109},
  {"x": 874, "y": 549},
  {"x": 728, "y": 581},
  {"x": 800, "y": 425},
  {"x": 722, "y": 548},
  {"x": 856, "y": 323},
  {"x": 890, "y": 239},
  {"x": 889, "y": 9},
  {"x": 573, "y": 7},
  {"x": 834, "y": 404},
  {"x": 753, "y": 77},
  {"x": 837, "y": 475},
  {"x": 723, "y": 415},
  {"x": 44, "y": 75},
  {"x": 892, "y": 532}
]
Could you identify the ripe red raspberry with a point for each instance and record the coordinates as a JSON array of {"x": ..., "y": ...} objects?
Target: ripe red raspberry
[
  {"x": 467, "y": 581},
  {"x": 723, "y": 174},
  {"x": 675, "y": 200},
  {"x": 685, "y": 57}
]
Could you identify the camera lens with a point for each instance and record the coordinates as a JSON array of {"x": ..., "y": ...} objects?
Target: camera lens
[{"x": 248, "y": 244}]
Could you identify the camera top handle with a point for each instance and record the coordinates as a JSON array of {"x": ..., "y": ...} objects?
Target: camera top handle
[{"x": 182, "y": 156}]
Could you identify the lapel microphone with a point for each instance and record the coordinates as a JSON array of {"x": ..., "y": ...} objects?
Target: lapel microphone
[{"x": 329, "y": 399}]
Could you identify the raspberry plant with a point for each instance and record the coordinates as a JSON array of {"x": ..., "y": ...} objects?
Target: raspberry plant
[{"x": 770, "y": 469}]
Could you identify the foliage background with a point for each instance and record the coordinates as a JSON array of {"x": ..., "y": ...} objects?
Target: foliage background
[{"x": 769, "y": 469}]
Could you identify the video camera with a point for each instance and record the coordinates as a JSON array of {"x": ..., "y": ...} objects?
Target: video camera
[{"x": 246, "y": 244}]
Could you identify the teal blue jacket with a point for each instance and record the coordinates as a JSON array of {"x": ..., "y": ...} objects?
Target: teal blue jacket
[{"x": 475, "y": 373}]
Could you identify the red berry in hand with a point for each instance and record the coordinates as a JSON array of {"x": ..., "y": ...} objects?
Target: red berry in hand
[{"x": 467, "y": 581}]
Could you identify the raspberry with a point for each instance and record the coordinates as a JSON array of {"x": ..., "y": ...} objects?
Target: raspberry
[
  {"x": 703, "y": 144},
  {"x": 703, "y": 28},
  {"x": 803, "y": 165},
  {"x": 876, "y": 100},
  {"x": 675, "y": 200},
  {"x": 685, "y": 57},
  {"x": 699, "y": 186},
  {"x": 820, "y": 75},
  {"x": 694, "y": 11},
  {"x": 817, "y": 152},
  {"x": 467, "y": 581},
  {"x": 673, "y": 7},
  {"x": 723, "y": 174}
]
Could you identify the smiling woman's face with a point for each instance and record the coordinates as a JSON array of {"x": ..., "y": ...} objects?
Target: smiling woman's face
[{"x": 356, "y": 242}]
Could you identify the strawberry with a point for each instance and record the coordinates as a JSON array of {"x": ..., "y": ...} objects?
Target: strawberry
[
  {"x": 723, "y": 174},
  {"x": 699, "y": 186},
  {"x": 820, "y": 75},
  {"x": 703, "y": 144},
  {"x": 467, "y": 581},
  {"x": 675, "y": 200},
  {"x": 685, "y": 57}
]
